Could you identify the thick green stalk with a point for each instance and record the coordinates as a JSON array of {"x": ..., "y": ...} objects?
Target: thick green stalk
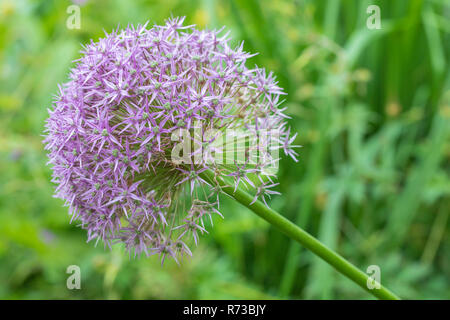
[{"x": 301, "y": 236}]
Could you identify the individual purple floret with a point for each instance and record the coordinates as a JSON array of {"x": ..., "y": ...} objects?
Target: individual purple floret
[{"x": 137, "y": 100}]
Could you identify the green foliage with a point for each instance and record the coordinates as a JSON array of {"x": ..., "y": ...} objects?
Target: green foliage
[{"x": 372, "y": 109}]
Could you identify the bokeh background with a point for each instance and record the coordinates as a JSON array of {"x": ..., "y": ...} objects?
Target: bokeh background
[{"x": 372, "y": 112}]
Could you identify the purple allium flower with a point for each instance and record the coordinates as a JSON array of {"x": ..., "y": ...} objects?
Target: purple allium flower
[
  {"x": 79, "y": 2},
  {"x": 115, "y": 125}
]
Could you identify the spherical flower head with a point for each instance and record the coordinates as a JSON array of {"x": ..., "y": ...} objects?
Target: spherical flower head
[{"x": 144, "y": 114}]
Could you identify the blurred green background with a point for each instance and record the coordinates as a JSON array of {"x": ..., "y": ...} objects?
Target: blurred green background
[{"x": 372, "y": 112}]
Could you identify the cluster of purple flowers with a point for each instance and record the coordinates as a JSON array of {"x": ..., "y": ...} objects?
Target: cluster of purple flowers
[{"x": 110, "y": 133}]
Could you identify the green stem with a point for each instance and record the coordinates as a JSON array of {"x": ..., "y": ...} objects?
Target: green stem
[{"x": 301, "y": 236}]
